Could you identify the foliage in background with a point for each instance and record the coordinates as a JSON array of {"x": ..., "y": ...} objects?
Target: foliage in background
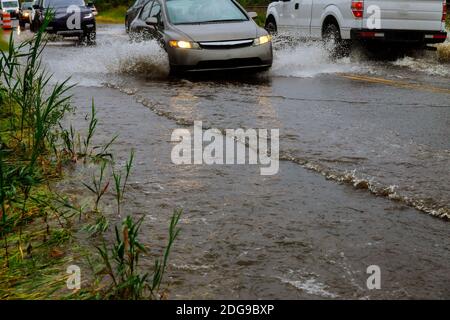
[
  {"x": 3, "y": 43},
  {"x": 112, "y": 14},
  {"x": 113, "y": 11},
  {"x": 448, "y": 19},
  {"x": 108, "y": 4}
]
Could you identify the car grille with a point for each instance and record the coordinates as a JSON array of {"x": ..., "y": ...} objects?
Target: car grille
[
  {"x": 226, "y": 44},
  {"x": 232, "y": 63}
]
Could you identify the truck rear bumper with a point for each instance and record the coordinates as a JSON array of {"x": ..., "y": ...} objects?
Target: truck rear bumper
[{"x": 413, "y": 37}]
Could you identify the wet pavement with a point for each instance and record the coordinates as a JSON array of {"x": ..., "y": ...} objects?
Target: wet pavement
[{"x": 364, "y": 174}]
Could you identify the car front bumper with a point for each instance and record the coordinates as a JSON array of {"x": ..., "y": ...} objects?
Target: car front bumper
[
  {"x": 221, "y": 59},
  {"x": 60, "y": 28},
  {"x": 14, "y": 14},
  {"x": 412, "y": 37}
]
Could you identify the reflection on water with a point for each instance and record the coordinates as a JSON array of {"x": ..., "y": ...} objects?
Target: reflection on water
[{"x": 185, "y": 103}]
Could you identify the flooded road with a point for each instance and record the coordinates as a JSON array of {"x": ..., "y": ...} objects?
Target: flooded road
[{"x": 365, "y": 172}]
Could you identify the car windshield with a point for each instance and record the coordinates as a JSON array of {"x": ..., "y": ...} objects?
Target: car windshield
[
  {"x": 10, "y": 4},
  {"x": 63, "y": 3},
  {"x": 203, "y": 11},
  {"x": 27, "y": 5}
]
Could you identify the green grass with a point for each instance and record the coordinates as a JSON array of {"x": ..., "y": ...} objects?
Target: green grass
[
  {"x": 39, "y": 226},
  {"x": 35, "y": 226},
  {"x": 443, "y": 50},
  {"x": 3, "y": 43},
  {"x": 114, "y": 15}
]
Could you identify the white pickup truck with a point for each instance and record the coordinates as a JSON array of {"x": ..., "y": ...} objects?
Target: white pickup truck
[{"x": 413, "y": 22}]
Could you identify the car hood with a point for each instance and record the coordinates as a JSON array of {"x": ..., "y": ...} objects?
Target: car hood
[
  {"x": 219, "y": 31},
  {"x": 61, "y": 12}
]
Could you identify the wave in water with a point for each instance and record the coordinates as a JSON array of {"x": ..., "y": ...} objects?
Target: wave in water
[
  {"x": 309, "y": 59},
  {"x": 352, "y": 178},
  {"x": 424, "y": 65}
]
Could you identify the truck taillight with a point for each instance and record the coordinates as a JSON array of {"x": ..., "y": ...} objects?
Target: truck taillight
[
  {"x": 358, "y": 8},
  {"x": 444, "y": 11}
]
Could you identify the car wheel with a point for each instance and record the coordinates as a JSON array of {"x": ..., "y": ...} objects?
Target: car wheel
[
  {"x": 271, "y": 27},
  {"x": 21, "y": 24},
  {"x": 173, "y": 70},
  {"x": 333, "y": 41},
  {"x": 88, "y": 38}
]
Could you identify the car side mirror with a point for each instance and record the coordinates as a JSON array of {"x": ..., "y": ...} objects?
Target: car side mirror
[
  {"x": 89, "y": 4},
  {"x": 252, "y": 14},
  {"x": 152, "y": 21},
  {"x": 36, "y": 6}
]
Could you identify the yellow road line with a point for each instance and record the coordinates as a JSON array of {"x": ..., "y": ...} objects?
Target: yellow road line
[{"x": 395, "y": 83}]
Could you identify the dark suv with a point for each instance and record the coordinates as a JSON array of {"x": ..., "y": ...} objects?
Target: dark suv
[{"x": 71, "y": 18}]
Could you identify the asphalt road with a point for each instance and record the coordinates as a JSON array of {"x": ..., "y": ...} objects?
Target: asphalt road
[{"x": 363, "y": 180}]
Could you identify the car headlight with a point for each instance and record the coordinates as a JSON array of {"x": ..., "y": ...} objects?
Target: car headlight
[
  {"x": 183, "y": 44},
  {"x": 88, "y": 16},
  {"x": 262, "y": 40},
  {"x": 26, "y": 14}
]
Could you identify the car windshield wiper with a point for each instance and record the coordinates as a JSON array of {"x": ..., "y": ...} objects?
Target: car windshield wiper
[
  {"x": 226, "y": 20},
  {"x": 211, "y": 21}
]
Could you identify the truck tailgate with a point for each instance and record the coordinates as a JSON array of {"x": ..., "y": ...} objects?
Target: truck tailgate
[{"x": 407, "y": 14}]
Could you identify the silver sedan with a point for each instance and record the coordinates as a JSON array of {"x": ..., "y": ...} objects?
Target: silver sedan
[{"x": 205, "y": 34}]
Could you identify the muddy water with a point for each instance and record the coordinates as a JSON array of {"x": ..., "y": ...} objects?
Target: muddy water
[{"x": 296, "y": 234}]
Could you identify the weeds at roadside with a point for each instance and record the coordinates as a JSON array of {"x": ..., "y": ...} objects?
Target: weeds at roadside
[
  {"x": 36, "y": 223},
  {"x": 121, "y": 262},
  {"x": 100, "y": 226},
  {"x": 119, "y": 187},
  {"x": 77, "y": 148},
  {"x": 98, "y": 186}
]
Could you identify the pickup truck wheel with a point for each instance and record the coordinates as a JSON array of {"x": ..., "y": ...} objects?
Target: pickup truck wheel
[
  {"x": 333, "y": 41},
  {"x": 271, "y": 27}
]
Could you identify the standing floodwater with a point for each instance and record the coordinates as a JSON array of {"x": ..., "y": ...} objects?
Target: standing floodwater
[{"x": 366, "y": 157}]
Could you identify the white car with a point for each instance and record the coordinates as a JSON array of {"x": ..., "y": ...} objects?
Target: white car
[
  {"x": 11, "y": 6},
  {"x": 409, "y": 22}
]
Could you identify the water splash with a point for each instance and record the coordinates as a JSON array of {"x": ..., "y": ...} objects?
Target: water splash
[
  {"x": 309, "y": 59},
  {"x": 429, "y": 66},
  {"x": 311, "y": 287},
  {"x": 91, "y": 65}
]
